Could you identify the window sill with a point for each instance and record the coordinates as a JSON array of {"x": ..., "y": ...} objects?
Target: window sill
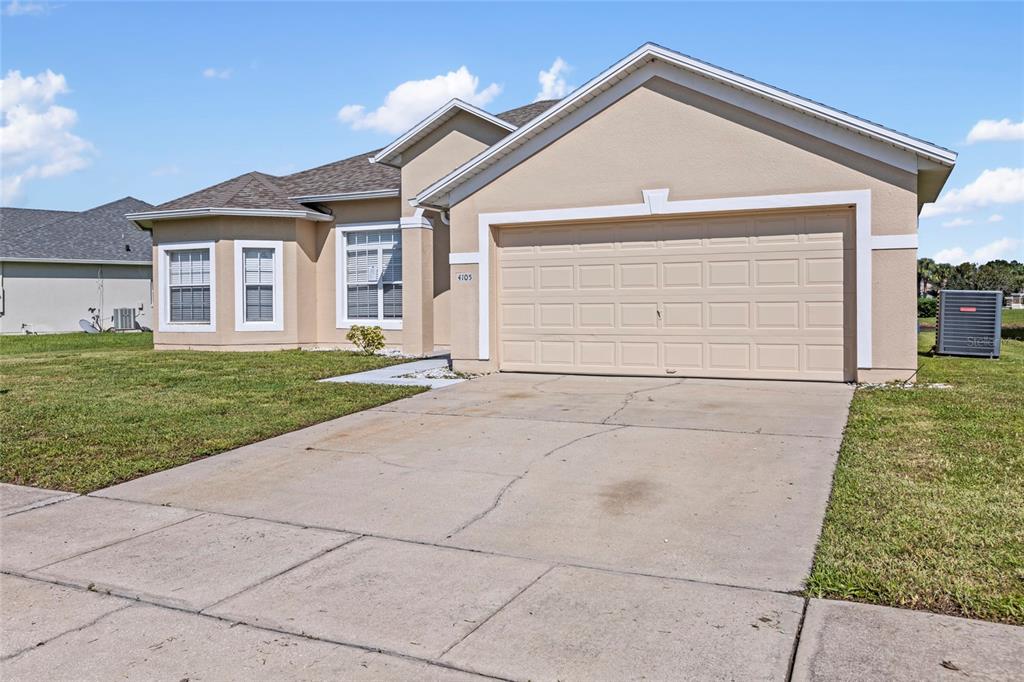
[
  {"x": 259, "y": 327},
  {"x": 391, "y": 325},
  {"x": 186, "y": 327}
]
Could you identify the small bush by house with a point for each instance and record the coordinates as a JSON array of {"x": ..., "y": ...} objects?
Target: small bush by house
[{"x": 366, "y": 338}]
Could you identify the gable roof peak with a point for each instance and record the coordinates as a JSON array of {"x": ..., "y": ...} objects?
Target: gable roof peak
[
  {"x": 389, "y": 155},
  {"x": 437, "y": 194}
]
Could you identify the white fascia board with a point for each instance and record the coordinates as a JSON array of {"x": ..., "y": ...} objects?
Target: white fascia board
[
  {"x": 348, "y": 196},
  {"x": 213, "y": 211},
  {"x": 74, "y": 261},
  {"x": 430, "y": 123},
  {"x": 884, "y": 242},
  {"x": 650, "y": 52}
]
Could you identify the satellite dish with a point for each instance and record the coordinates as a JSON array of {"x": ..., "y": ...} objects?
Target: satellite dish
[{"x": 87, "y": 327}]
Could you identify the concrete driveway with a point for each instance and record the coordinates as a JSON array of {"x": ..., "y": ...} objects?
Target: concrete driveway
[{"x": 515, "y": 526}]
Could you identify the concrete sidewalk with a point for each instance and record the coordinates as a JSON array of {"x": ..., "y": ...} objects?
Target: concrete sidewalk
[{"x": 513, "y": 526}]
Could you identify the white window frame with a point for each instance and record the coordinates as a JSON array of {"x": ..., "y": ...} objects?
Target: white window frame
[
  {"x": 164, "y": 275},
  {"x": 341, "y": 288},
  {"x": 241, "y": 324}
]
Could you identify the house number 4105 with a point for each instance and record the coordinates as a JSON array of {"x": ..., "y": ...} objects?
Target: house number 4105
[{"x": 464, "y": 276}]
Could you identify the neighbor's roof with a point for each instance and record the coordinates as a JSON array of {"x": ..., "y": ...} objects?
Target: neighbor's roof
[
  {"x": 295, "y": 195},
  {"x": 14, "y": 220},
  {"x": 436, "y": 194},
  {"x": 99, "y": 235}
]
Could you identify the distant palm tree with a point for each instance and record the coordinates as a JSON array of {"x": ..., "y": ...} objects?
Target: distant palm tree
[
  {"x": 926, "y": 274},
  {"x": 941, "y": 275}
]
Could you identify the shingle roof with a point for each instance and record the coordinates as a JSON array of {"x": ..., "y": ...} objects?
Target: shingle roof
[
  {"x": 354, "y": 174},
  {"x": 351, "y": 175},
  {"x": 99, "y": 234},
  {"x": 525, "y": 114},
  {"x": 250, "y": 190},
  {"x": 14, "y": 220}
]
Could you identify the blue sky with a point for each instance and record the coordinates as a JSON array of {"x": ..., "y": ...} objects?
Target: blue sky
[{"x": 156, "y": 100}]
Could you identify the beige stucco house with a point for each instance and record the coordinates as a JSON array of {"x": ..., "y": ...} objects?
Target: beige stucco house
[{"x": 668, "y": 218}]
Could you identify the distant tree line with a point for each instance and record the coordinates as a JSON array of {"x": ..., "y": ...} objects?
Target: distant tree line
[{"x": 996, "y": 275}]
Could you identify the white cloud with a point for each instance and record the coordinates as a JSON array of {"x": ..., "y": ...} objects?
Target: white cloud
[
  {"x": 1003, "y": 130},
  {"x": 169, "y": 169},
  {"x": 14, "y": 8},
  {"x": 998, "y": 186},
  {"x": 552, "y": 82},
  {"x": 222, "y": 74},
  {"x": 36, "y": 139},
  {"x": 953, "y": 256},
  {"x": 999, "y": 249},
  {"x": 958, "y": 222},
  {"x": 995, "y": 218},
  {"x": 412, "y": 101}
]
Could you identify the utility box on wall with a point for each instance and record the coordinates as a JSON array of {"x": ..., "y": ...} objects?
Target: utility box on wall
[{"x": 969, "y": 323}]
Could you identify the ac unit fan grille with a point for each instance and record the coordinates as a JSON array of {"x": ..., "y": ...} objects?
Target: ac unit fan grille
[{"x": 969, "y": 323}]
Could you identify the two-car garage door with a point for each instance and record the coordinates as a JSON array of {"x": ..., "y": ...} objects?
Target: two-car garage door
[{"x": 767, "y": 295}]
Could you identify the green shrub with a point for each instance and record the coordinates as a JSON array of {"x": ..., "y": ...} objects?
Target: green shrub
[
  {"x": 927, "y": 306},
  {"x": 367, "y": 339}
]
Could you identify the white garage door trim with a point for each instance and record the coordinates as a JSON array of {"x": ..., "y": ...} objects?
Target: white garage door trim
[{"x": 656, "y": 203}]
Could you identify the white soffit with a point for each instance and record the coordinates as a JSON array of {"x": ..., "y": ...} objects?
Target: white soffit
[
  {"x": 648, "y": 54},
  {"x": 391, "y": 155}
]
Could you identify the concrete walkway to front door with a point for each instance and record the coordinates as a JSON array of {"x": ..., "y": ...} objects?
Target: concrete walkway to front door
[{"x": 512, "y": 526}]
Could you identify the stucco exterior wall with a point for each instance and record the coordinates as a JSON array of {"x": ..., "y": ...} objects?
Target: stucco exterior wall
[
  {"x": 442, "y": 151},
  {"x": 662, "y": 135},
  {"x": 345, "y": 212},
  {"x": 224, "y": 231},
  {"x": 53, "y": 297},
  {"x": 427, "y": 297}
]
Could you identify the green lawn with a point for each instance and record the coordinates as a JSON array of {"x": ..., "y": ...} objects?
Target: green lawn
[
  {"x": 81, "y": 412},
  {"x": 927, "y": 510}
]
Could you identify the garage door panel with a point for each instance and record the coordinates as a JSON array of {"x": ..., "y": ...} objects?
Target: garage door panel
[
  {"x": 734, "y": 315},
  {"x": 595, "y": 354},
  {"x": 777, "y": 272},
  {"x": 639, "y": 354},
  {"x": 599, "y": 315},
  {"x": 633, "y": 315},
  {"x": 638, "y": 275},
  {"x": 556, "y": 315},
  {"x": 777, "y": 315},
  {"x": 728, "y": 273},
  {"x": 682, "y": 275},
  {"x": 596, "y": 276},
  {"x": 766, "y": 295},
  {"x": 683, "y": 315},
  {"x": 555, "y": 277},
  {"x": 823, "y": 271},
  {"x": 777, "y": 356},
  {"x": 519, "y": 315}
]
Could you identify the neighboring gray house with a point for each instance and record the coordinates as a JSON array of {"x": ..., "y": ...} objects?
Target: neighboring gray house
[{"x": 56, "y": 265}]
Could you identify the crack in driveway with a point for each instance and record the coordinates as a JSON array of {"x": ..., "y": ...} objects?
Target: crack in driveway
[
  {"x": 516, "y": 479},
  {"x": 631, "y": 396}
]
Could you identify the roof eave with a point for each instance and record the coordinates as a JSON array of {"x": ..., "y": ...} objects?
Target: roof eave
[
  {"x": 431, "y": 195},
  {"x": 80, "y": 261},
  {"x": 388, "y": 155},
  {"x": 180, "y": 213}
]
